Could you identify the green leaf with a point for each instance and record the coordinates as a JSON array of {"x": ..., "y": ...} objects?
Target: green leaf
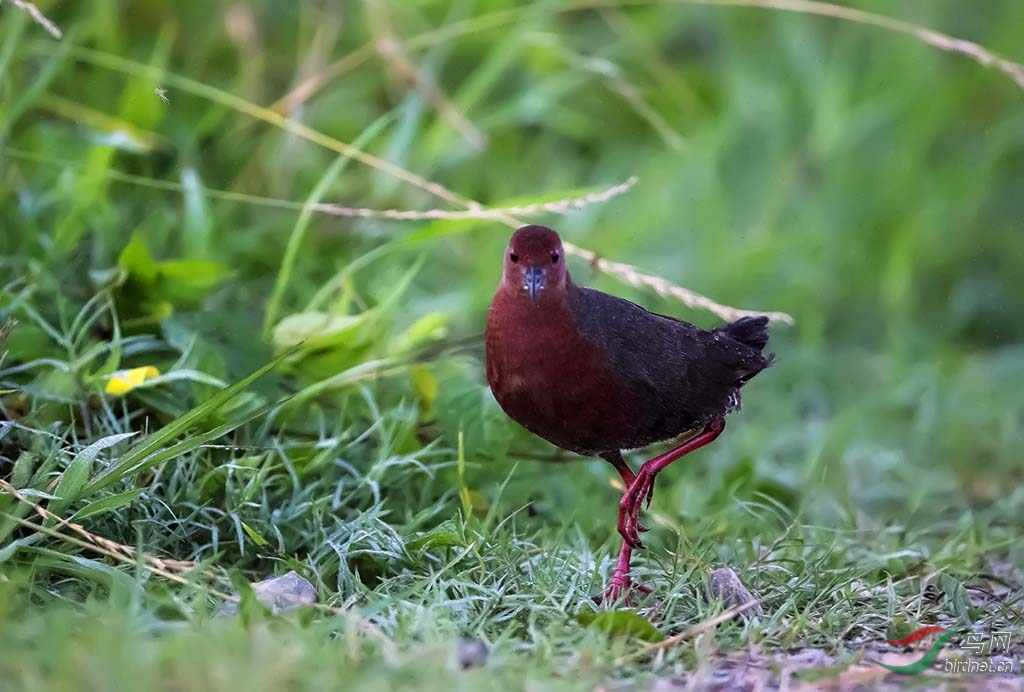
[
  {"x": 77, "y": 473},
  {"x": 78, "y": 566},
  {"x": 108, "y": 130},
  {"x": 900, "y": 627},
  {"x": 195, "y": 237},
  {"x": 152, "y": 287},
  {"x": 464, "y": 493},
  {"x": 136, "y": 260},
  {"x": 370, "y": 370},
  {"x": 425, "y": 385},
  {"x": 107, "y": 504},
  {"x": 430, "y": 327},
  {"x": 320, "y": 329},
  {"x": 22, "y": 472},
  {"x": 435, "y": 539},
  {"x": 621, "y": 623},
  {"x": 113, "y": 360},
  {"x": 181, "y": 448},
  {"x": 957, "y": 596},
  {"x": 8, "y": 551},
  {"x": 42, "y": 495},
  {"x": 254, "y": 535},
  {"x": 187, "y": 281}
]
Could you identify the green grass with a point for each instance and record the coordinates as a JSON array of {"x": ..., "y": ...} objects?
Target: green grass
[{"x": 322, "y": 406}]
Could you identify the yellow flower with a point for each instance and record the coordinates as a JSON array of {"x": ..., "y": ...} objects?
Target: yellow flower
[{"x": 124, "y": 381}]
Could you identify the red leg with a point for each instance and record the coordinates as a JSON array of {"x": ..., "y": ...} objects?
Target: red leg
[
  {"x": 616, "y": 460},
  {"x": 627, "y": 475},
  {"x": 642, "y": 488},
  {"x": 621, "y": 584}
]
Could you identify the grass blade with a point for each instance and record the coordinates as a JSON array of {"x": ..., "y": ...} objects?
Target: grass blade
[
  {"x": 106, "y": 504},
  {"x": 77, "y": 472},
  {"x": 147, "y": 454}
]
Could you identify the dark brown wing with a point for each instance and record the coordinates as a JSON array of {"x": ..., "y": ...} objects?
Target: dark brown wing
[{"x": 682, "y": 376}]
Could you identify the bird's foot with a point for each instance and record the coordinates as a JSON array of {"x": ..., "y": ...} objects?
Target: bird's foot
[
  {"x": 622, "y": 590},
  {"x": 637, "y": 496}
]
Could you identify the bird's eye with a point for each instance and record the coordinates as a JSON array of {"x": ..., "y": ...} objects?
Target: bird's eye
[
  {"x": 513, "y": 256},
  {"x": 554, "y": 258}
]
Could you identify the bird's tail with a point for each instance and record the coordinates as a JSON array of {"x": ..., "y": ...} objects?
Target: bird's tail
[{"x": 752, "y": 331}]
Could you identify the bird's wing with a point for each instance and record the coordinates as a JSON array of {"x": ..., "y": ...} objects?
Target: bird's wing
[{"x": 657, "y": 355}]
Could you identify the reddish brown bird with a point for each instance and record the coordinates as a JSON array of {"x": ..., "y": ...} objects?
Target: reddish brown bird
[{"x": 595, "y": 374}]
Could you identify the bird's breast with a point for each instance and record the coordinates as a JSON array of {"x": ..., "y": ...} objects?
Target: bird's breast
[{"x": 553, "y": 382}]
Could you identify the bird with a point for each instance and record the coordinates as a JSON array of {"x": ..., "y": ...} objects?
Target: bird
[{"x": 597, "y": 375}]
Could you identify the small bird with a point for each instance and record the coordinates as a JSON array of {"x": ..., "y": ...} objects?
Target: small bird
[{"x": 595, "y": 374}]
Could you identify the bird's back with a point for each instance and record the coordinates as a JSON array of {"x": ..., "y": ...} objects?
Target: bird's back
[{"x": 679, "y": 376}]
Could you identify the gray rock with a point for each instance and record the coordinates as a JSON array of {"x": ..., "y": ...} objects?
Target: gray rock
[
  {"x": 726, "y": 586},
  {"x": 280, "y": 594}
]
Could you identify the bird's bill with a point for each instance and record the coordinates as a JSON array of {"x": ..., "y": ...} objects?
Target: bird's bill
[{"x": 533, "y": 281}]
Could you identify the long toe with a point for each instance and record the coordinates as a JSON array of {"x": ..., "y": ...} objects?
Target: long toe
[
  {"x": 630, "y": 503},
  {"x": 629, "y": 533},
  {"x": 627, "y": 523},
  {"x": 629, "y": 594},
  {"x": 612, "y": 594},
  {"x": 632, "y": 532},
  {"x": 650, "y": 493}
]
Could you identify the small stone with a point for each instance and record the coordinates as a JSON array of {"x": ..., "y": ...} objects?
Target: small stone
[
  {"x": 471, "y": 653},
  {"x": 287, "y": 592},
  {"x": 728, "y": 588},
  {"x": 857, "y": 589}
]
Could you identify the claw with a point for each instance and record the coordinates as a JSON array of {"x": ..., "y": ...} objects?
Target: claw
[
  {"x": 630, "y": 506},
  {"x": 623, "y": 590},
  {"x": 634, "y": 534},
  {"x": 630, "y": 536}
]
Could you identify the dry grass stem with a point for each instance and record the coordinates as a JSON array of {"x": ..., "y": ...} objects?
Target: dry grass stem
[
  {"x": 38, "y": 17},
  {"x": 663, "y": 287},
  {"x": 389, "y": 47},
  {"x": 694, "y": 630},
  {"x": 113, "y": 549},
  {"x": 312, "y": 84},
  {"x": 950, "y": 44},
  {"x": 688, "y": 633},
  {"x": 475, "y": 211}
]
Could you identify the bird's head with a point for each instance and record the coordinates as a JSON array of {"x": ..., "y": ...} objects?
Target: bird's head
[{"x": 535, "y": 264}]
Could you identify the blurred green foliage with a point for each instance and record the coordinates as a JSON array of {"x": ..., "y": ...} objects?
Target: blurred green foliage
[{"x": 156, "y": 210}]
